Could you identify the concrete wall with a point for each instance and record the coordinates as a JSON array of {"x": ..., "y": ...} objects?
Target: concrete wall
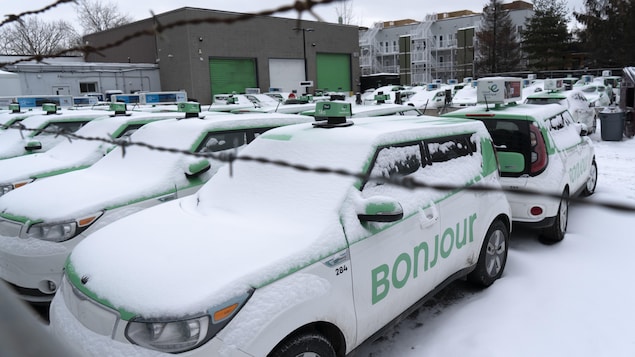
[{"x": 183, "y": 52}]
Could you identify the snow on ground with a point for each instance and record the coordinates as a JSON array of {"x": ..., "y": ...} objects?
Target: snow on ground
[{"x": 574, "y": 298}]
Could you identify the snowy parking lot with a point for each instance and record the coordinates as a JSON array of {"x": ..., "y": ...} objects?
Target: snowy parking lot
[{"x": 571, "y": 298}]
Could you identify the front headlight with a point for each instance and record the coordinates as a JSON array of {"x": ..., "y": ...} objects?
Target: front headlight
[
  {"x": 60, "y": 231},
  {"x": 180, "y": 335},
  {"x": 12, "y": 186}
]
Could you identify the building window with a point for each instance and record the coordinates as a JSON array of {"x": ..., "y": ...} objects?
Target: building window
[
  {"x": 87, "y": 87},
  {"x": 441, "y": 41}
]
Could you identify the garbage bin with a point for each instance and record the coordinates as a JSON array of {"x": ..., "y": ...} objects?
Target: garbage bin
[{"x": 612, "y": 124}]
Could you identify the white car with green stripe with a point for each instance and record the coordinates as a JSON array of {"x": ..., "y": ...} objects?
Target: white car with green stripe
[
  {"x": 39, "y": 133},
  {"x": 540, "y": 148},
  {"x": 75, "y": 154},
  {"x": 267, "y": 260},
  {"x": 41, "y": 222}
]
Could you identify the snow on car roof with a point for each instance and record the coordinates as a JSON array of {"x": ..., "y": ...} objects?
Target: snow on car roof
[
  {"x": 538, "y": 111},
  {"x": 12, "y": 140},
  {"x": 140, "y": 172},
  {"x": 74, "y": 153},
  {"x": 244, "y": 229}
]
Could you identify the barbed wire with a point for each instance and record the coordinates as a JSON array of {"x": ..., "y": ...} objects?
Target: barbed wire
[
  {"x": 300, "y": 6},
  {"x": 404, "y": 182},
  {"x": 158, "y": 28},
  {"x": 18, "y": 17}
]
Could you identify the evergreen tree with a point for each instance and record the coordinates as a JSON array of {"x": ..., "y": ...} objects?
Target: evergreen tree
[
  {"x": 498, "y": 45},
  {"x": 607, "y": 32},
  {"x": 546, "y": 37}
]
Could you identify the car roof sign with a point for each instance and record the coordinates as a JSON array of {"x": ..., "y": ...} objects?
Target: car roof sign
[
  {"x": 499, "y": 90},
  {"x": 554, "y": 84}
]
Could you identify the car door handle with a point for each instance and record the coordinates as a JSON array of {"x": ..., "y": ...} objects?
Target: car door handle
[{"x": 428, "y": 216}]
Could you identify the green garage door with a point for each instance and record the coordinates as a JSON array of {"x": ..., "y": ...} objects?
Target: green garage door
[
  {"x": 232, "y": 74},
  {"x": 333, "y": 72}
]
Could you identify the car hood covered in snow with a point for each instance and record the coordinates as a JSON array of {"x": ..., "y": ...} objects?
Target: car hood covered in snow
[{"x": 241, "y": 230}]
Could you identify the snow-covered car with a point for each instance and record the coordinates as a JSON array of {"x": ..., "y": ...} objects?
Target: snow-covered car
[
  {"x": 370, "y": 96},
  {"x": 265, "y": 260},
  {"x": 15, "y": 115},
  {"x": 465, "y": 97},
  {"x": 596, "y": 93},
  {"x": 539, "y": 148},
  {"x": 40, "y": 223},
  {"x": 431, "y": 97},
  {"x": 39, "y": 133},
  {"x": 75, "y": 154},
  {"x": 574, "y": 100}
]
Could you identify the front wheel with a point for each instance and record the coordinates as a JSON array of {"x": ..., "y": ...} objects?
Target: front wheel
[
  {"x": 493, "y": 255},
  {"x": 306, "y": 345},
  {"x": 591, "y": 181},
  {"x": 556, "y": 232}
]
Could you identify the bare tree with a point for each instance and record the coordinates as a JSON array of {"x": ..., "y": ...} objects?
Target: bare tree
[
  {"x": 344, "y": 11},
  {"x": 97, "y": 15},
  {"x": 32, "y": 36}
]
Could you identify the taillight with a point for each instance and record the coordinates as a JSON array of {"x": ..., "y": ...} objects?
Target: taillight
[{"x": 538, "y": 151}]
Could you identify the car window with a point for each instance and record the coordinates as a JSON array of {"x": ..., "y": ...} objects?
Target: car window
[
  {"x": 563, "y": 132},
  {"x": 129, "y": 130},
  {"x": 543, "y": 100},
  {"x": 397, "y": 162},
  {"x": 219, "y": 141},
  {"x": 56, "y": 127},
  {"x": 511, "y": 137},
  {"x": 445, "y": 149}
]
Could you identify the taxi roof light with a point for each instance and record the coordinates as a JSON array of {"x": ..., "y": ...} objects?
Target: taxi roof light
[
  {"x": 14, "y": 107},
  {"x": 554, "y": 84},
  {"x": 332, "y": 114},
  {"x": 191, "y": 109},
  {"x": 118, "y": 107},
  {"x": 49, "y": 108}
]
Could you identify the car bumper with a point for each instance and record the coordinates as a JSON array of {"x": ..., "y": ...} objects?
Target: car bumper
[
  {"x": 94, "y": 330},
  {"x": 32, "y": 266},
  {"x": 522, "y": 206}
]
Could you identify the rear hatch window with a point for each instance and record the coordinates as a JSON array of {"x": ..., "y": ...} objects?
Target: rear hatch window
[{"x": 519, "y": 146}]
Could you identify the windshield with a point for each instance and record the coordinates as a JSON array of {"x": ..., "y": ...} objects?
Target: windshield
[{"x": 544, "y": 101}]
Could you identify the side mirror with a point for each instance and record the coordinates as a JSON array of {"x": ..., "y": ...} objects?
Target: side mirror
[
  {"x": 583, "y": 130},
  {"x": 380, "y": 209},
  {"x": 196, "y": 168},
  {"x": 33, "y": 146}
]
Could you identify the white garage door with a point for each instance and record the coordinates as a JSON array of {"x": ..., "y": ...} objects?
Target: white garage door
[{"x": 286, "y": 74}]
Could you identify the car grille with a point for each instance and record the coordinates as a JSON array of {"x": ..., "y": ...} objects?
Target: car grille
[
  {"x": 91, "y": 314},
  {"x": 10, "y": 228}
]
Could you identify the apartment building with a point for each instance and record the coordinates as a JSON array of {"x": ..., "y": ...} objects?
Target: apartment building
[{"x": 442, "y": 46}]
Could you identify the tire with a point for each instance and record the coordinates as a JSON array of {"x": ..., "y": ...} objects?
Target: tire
[
  {"x": 305, "y": 345},
  {"x": 493, "y": 256},
  {"x": 556, "y": 232},
  {"x": 592, "y": 181}
]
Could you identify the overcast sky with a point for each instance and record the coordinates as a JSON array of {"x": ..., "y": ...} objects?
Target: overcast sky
[{"x": 365, "y": 12}]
